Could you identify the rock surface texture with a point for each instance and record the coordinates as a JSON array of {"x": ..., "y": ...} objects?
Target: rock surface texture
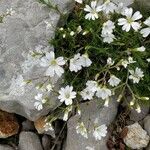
[
  {"x": 29, "y": 141},
  {"x": 9, "y": 125},
  {"x": 136, "y": 138},
  {"x": 40, "y": 127},
  {"x": 25, "y": 30},
  {"x": 5, "y": 147},
  {"x": 104, "y": 115},
  {"x": 147, "y": 124}
]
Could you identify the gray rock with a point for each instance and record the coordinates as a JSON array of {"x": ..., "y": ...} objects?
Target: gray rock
[
  {"x": 27, "y": 125},
  {"x": 136, "y": 138},
  {"x": 20, "y": 33},
  {"x": 5, "y": 147},
  {"x": 46, "y": 142},
  {"x": 147, "y": 124},
  {"x": 91, "y": 110},
  {"x": 145, "y": 4},
  {"x": 135, "y": 116},
  {"x": 29, "y": 141}
]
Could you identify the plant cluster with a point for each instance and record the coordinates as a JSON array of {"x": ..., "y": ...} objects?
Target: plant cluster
[{"x": 103, "y": 50}]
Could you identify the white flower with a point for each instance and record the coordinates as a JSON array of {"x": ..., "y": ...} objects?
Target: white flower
[
  {"x": 130, "y": 20},
  {"x": 108, "y": 38},
  {"x": 89, "y": 148},
  {"x": 136, "y": 75},
  {"x": 146, "y": 31},
  {"x": 87, "y": 94},
  {"x": 100, "y": 132},
  {"x": 80, "y": 129},
  {"x": 130, "y": 60},
  {"x": 140, "y": 49},
  {"x": 92, "y": 11},
  {"x": 75, "y": 63},
  {"x": 108, "y": 7},
  {"x": 114, "y": 81},
  {"x": 48, "y": 126},
  {"x": 38, "y": 104},
  {"x": 106, "y": 104},
  {"x": 72, "y": 33},
  {"x": 17, "y": 87},
  {"x": 148, "y": 60},
  {"x": 120, "y": 8},
  {"x": 49, "y": 87},
  {"x": 61, "y": 29},
  {"x": 79, "y": 1},
  {"x": 64, "y": 35},
  {"x": 85, "y": 61},
  {"x": 110, "y": 61},
  {"x": 79, "y": 29},
  {"x": 48, "y": 25},
  {"x": 92, "y": 85},
  {"x": 67, "y": 110},
  {"x": 138, "y": 108},
  {"x": 108, "y": 27},
  {"x": 10, "y": 11},
  {"x": 66, "y": 95},
  {"x": 124, "y": 63},
  {"x": 103, "y": 92},
  {"x": 54, "y": 65}
]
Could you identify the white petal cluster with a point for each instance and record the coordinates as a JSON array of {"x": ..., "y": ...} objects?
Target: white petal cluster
[
  {"x": 110, "y": 62},
  {"x": 103, "y": 92},
  {"x": 120, "y": 8},
  {"x": 39, "y": 101},
  {"x": 89, "y": 91},
  {"x": 100, "y": 132},
  {"x": 125, "y": 63},
  {"x": 136, "y": 75},
  {"x": 107, "y": 31},
  {"x": 80, "y": 129},
  {"x": 92, "y": 85},
  {"x": 54, "y": 65},
  {"x": 130, "y": 20},
  {"x": 108, "y": 7},
  {"x": 67, "y": 95},
  {"x": 140, "y": 49},
  {"x": 10, "y": 12},
  {"x": 48, "y": 127},
  {"x": 66, "y": 114},
  {"x": 114, "y": 81},
  {"x": 92, "y": 10},
  {"x": 87, "y": 94},
  {"x": 146, "y": 31},
  {"x": 79, "y": 61}
]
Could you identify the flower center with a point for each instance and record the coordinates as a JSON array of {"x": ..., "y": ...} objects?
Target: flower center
[
  {"x": 129, "y": 20},
  {"x": 53, "y": 62},
  {"x": 67, "y": 95}
]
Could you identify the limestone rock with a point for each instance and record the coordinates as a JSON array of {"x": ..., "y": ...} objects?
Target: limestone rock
[
  {"x": 46, "y": 142},
  {"x": 145, "y": 4},
  {"x": 27, "y": 125},
  {"x": 135, "y": 116},
  {"x": 8, "y": 125},
  {"x": 25, "y": 31},
  {"x": 40, "y": 127},
  {"x": 147, "y": 124},
  {"x": 92, "y": 110},
  {"x": 29, "y": 141},
  {"x": 136, "y": 138},
  {"x": 5, "y": 147}
]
